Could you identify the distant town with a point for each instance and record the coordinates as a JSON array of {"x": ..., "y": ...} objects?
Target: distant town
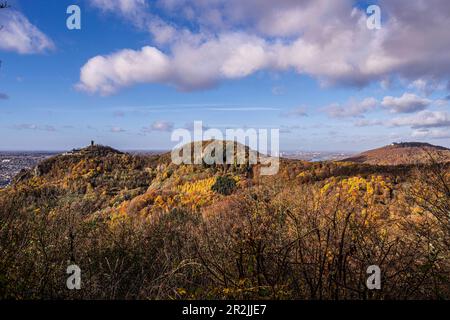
[
  {"x": 11, "y": 163},
  {"x": 316, "y": 155}
]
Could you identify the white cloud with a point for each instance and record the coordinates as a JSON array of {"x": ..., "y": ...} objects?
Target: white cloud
[
  {"x": 426, "y": 87},
  {"x": 128, "y": 8},
  {"x": 353, "y": 108},
  {"x": 431, "y": 134},
  {"x": 162, "y": 32},
  {"x": 296, "y": 112},
  {"x": 267, "y": 17},
  {"x": 328, "y": 40},
  {"x": 278, "y": 90},
  {"x": 28, "y": 126},
  {"x": 441, "y": 103},
  {"x": 164, "y": 126},
  {"x": 423, "y": 119},
  {"x": 19, "y": 35},
  {"x": 191, "y": 66},
  {"x": 117, "y": 130},
  {"x": 105, "y": 74},
  {"x": 368, "y": 123},
  {"x": 407, "y": 103}
]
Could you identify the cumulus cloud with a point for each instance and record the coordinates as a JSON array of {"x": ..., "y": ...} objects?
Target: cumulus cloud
[
  {"x": 423, "y": 119},
  {"x": 407, "y": 103},
  {"x": 426, "y": 87},
  {"x": 267, "y": 17},
  {"x": 164, "y": 126},
  {"x": 353, "y": 108},
  {"x": 191, "y": 66},
  {"x": 19, "y": 35},
  {"x": 327, "y": 40},
  {"x": 128, "y": 8},
  {"x": 105, "y": 74}
]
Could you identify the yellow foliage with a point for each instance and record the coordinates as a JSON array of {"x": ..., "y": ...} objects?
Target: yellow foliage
[{"x": 196, "y": 194}]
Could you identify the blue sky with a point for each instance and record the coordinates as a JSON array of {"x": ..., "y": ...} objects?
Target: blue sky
[{"x": 376, "y": 88}]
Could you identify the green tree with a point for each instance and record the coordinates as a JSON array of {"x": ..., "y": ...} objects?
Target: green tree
[{"x": 224, "y": 185}]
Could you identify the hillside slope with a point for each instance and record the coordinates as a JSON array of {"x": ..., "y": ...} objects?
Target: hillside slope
[
  {"x": 403, "y": 154},
  {"x": 141, "y": 227}
]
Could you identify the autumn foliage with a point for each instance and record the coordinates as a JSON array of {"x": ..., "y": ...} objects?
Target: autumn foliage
[{"x": 141, "y": 227}]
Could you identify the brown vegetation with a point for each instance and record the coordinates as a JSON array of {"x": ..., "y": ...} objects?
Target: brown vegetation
[
  {"x": 142, "y": 228},
  {"x": 405, "y": 153}
]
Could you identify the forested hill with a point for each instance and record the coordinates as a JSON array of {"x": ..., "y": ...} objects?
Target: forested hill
[
  {"x": 403, "y": 153},
  {"x": 142, "y": 227}
]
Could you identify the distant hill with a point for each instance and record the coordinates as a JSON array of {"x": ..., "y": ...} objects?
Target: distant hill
[{"x": 402, "y": 153}]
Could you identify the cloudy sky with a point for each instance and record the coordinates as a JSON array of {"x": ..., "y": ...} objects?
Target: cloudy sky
[{"x": 138, "y": 69}]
